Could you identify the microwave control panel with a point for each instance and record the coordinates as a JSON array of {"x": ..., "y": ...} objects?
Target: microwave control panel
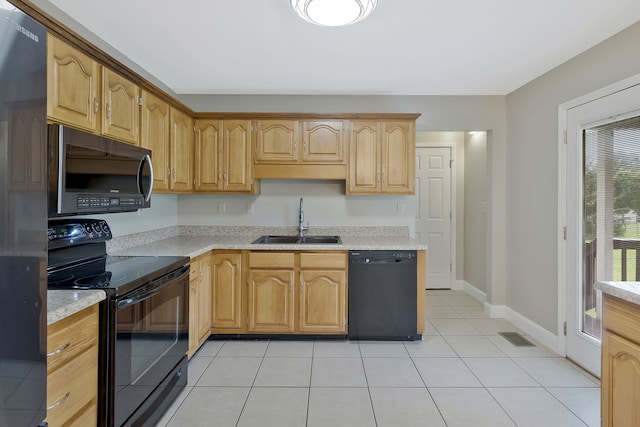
[{"x": 102, "y": 202}]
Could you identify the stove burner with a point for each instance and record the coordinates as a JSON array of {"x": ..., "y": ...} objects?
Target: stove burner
[
  {"x": 94, "y": 281},
  {"x": 57, "y": 279}
]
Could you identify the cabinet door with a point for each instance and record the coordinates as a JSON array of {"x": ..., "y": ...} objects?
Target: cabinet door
[
  {"x": 323, "y": 141},
  {"x": 154, "y": 135},
  {"x": 204, "y": 298},
  {"x": 620, "y": 381},
  {"x": 322, "y": 301},
  {"x": 181, "y": 151},
  {"x": 364, "y": 158},
  {"x": 271, "y": 301},
  {"x": 226, "y": 304},
  {"x": 237, "y": 156},
  {"x": 121, "y": 107},
  {"x": 208, "y": 152},
  {"x": 72, "y": 86},
  {"x": 398, "y": 157},
  {"x": 276, "y": 141},
  {"x": 193, "y": 307}
]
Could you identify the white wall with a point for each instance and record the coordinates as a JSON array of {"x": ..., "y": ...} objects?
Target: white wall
[
  {"x": 475, "y": 213},
  {"x": 162, "y": 213},
  {"x": 532, "y": 174},
  {"x": 325, "y": 204}
]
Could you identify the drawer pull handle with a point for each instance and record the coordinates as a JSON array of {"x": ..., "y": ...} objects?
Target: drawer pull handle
[
  {"x": 59, "y": 401},
  {"x": 60, "y": 350}
]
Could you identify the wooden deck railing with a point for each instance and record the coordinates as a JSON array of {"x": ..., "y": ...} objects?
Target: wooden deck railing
[{"x": 589, "y": 273}]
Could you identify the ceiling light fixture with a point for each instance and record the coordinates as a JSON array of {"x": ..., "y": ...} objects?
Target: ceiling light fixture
[{"x": 333, "y": 13}]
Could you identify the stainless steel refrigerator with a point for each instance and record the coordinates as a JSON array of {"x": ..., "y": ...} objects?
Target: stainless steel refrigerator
[{"x": 23, "y": 219}]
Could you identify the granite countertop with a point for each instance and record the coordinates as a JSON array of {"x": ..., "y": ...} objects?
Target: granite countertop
[
  {"x": 64, "y": 303},
  {"x": 628, "y": 291},
  {"x": 192, "y": 246}
]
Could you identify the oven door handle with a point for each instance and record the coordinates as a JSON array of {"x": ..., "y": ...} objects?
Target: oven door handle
[{"x": 154, "y": 287}]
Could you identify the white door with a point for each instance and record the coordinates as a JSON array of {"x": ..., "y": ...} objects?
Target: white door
[
  {"x": 592, "y": 221},
  {"x": 433, "y": 213}
]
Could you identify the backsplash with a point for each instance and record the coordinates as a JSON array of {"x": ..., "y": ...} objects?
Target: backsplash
[{"x": 121, "y": 243}]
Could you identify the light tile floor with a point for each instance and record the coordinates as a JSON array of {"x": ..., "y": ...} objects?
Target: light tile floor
[{"x": 462, "y": 374}]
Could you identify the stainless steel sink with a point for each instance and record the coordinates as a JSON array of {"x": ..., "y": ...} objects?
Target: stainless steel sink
[{"x": 304, "y": 240}]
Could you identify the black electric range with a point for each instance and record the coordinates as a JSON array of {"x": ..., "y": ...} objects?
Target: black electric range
[{"x": 144, "y": 321}]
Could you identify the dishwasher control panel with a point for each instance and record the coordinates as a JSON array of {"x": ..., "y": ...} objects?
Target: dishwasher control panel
[{"x": 370, "y": 257}]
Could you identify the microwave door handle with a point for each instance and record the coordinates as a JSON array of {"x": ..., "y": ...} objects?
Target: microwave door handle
[{"x": 145, "y": 159}]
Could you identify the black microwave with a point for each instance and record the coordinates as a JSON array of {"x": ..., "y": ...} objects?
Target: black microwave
[{"x": 91, "y": 174}]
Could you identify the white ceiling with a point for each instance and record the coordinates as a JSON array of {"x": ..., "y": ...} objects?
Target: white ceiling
[{"x": 406, "y": 47}]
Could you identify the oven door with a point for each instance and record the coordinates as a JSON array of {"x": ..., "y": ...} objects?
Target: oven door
[{"x": 151, "y": 338}]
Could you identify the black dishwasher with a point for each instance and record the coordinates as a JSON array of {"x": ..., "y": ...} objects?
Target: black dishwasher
[{"x": 383, "y": 295}]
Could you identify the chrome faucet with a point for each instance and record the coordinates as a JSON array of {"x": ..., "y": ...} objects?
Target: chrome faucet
[{"x": 301, "y": 226}]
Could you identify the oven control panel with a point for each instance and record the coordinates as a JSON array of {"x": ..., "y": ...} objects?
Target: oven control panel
[{"x": 70, "y": 232}]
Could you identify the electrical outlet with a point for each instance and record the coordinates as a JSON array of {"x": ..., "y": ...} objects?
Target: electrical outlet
[
  {"x": 221, "y": 207},
  {"x": 251, "y": 208},
  {"x": 400, "y": 208}
]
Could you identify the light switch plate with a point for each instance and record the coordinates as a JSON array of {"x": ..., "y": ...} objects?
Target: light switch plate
[{"x": 221, "y": 207}]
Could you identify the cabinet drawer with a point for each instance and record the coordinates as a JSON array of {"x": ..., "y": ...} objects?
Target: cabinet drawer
[
  {"x": 71, "y": 336},
  {"x": 323, "y": 260},
  {"x": 271, "y": 260},
  {"x": 71, "y": 387}
]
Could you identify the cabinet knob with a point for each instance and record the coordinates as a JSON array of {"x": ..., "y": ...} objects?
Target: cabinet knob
[
  {"x": 108, "y": 112},
  {"x": 96, "y": 105}
]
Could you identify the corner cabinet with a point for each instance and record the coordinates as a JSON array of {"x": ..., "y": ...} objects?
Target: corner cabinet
[
  {"x": 620, "y": 376},
  {"x": 381, "y": 157}
]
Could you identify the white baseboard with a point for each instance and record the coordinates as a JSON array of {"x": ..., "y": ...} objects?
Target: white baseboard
[
  {"x": 535, "y": 331},
  {"x": 530, "y": 328},
  {"x": 473, "y": 292}
]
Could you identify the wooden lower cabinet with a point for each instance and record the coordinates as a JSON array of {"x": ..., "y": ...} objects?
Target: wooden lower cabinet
[
  {"x": 297, "y": 292},
  {"x": 226, "y": 293},
  {"x": 620, "y": 377},
  {"x": 322, "y": 293},
  {"x": 199, "y": 302},
  {"x": 72, "y": 370}
]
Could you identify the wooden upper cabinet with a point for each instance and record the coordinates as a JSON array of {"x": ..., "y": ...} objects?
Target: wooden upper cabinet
[
  {"x": 276, "y": 141},
  {"x": 296, "y": 141},
  {"x": 73, "y": 83},
  {"x": 154, "y": 135},
  {"x": 398, "y": 157},
  {"x": 381, "y": 158},
  {"x": 323, "y": 141},
  {"x": 236, "y": 158},
  {"x": 121, "y": 107},
  {"x": 208, "y": 150},
  {"x": 181, "y": 158},
  {"x": 223, "y": 156},
  {"x": 364, "y": 158}
]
